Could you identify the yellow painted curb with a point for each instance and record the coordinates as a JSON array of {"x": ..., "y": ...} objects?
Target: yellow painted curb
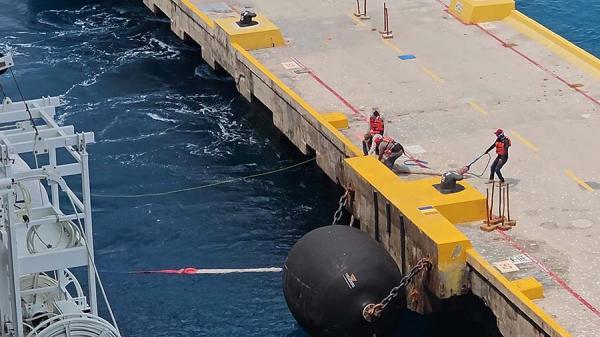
[
  {"x": 556, "y": 43},
  {"x": 339, "y": 120},
  {"x": 530, "y": 287},
  {"x": 207, "y": 20},
  {"x": 517, "y": 297}
]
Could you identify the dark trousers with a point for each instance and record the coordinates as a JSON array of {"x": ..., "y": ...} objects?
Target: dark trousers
[
  {"x": 366, "y": 147},
  {"x": 397, "y": 151},
  {"x": 497, "y": 166}
]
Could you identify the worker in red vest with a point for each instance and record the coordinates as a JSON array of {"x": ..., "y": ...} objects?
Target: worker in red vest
[
  {"x": 501, "y": 145},
  {"x": 376, "y": 124},
  {"x": 376, "y": 127}
]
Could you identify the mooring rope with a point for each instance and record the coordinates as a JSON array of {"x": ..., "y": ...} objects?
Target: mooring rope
[{"x": 193, "y": 188}]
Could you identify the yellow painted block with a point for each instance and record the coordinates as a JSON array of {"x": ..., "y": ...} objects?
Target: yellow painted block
[
  {"x": 263, "y": 35},
  {"x": 476, "y": 11},
  {"x": 337, "y": 119},
  {"x": 468, "y": 208},
  {"x": 530, "y": 287}
]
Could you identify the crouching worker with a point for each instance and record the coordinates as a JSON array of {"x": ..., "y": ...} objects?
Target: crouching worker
[{"x": 386, "y": 149}]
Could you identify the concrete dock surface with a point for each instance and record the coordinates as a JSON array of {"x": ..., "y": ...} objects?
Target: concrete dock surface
[{"x": 464, "y": 82}]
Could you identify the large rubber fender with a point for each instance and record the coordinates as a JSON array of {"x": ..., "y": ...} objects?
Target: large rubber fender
[{"x": 331, "y": 274}]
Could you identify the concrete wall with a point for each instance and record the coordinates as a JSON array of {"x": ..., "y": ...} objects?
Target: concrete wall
[{"x": 388, "y": 211}]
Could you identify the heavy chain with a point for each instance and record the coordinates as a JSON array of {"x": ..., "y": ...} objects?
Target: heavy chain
[
  {"x": 372, "y": 312},
  {"x": 342, "y": 203}
]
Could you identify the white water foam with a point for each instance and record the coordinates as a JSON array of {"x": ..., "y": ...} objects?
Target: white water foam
[{"x": 161, "y": 119}]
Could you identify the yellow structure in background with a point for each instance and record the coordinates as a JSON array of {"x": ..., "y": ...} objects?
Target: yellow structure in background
[
  {"x": 476, "y": 11},
  {"x": 337, "y": 119},
  {"x": 265, "y": 34},
  {"x": 530, "y": 287}
]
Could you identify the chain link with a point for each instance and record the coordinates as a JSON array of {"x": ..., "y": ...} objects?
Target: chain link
[
  {"x": 342, "y": 203},
  {"x": 372, "y": 312}
]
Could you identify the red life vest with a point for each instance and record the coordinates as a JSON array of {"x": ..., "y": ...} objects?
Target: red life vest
[
  {"x": 388, "y": 147},
  {"x": 501, "y": 149},
  {"x": 376, "y": 125},
  {"x": 386, "y": 139}
]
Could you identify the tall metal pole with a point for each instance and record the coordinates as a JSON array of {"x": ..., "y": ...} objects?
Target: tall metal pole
[
  {"x": 508, "y": 201},
  {"x": 500, "y": 199},
  {"x": 492, "y": 201},
  {"x": 53, "y": 186},
  {"x": 56, "y": 204},
  {"x": 385, "y": 18},
  {"x": 13, "y": 265},
  {"x": 487, "y": 205},
  {"x": 89, "y": 232}
]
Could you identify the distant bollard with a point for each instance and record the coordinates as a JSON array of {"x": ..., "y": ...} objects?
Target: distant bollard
[
  {"x": 361, "y": 15},
  {"x": 358, "y": 13},
  {"x": 386, "y": 33}
]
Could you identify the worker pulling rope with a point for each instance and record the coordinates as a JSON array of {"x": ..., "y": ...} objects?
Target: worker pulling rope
[{"x": 158, "y": 194}]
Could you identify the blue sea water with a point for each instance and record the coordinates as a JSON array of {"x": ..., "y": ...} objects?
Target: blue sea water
[{"x": 164, "y": 120}]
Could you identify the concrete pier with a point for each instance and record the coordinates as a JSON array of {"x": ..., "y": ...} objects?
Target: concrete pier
[{"x": 446, "y": 80}]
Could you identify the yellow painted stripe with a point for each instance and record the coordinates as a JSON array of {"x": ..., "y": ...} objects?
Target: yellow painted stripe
[
  {"x": 478, "y": 107},
  {"x": 355, "y": 19},
  {"x": 578, "y": 180},
  {"x": 525, "y": 141},
  {"x": 393, "y": 46},
  {"x": 200, "y": 14},
  {"x": 432, "y": 75}
]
